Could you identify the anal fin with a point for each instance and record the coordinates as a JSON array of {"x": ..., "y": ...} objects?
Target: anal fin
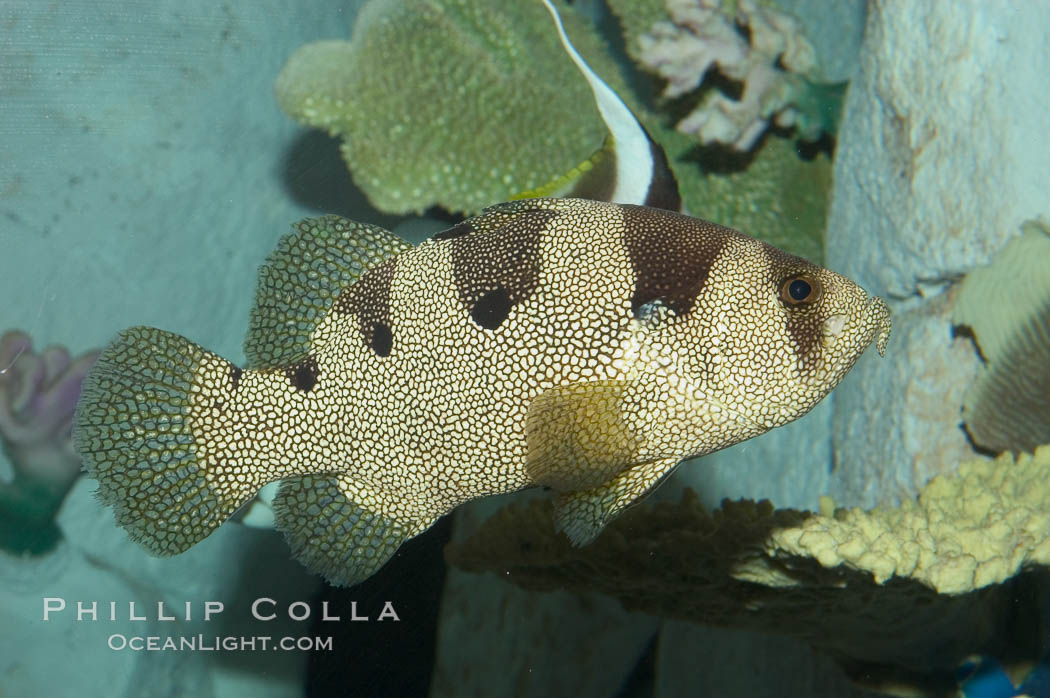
[
  {"x": 582, "y": 515},
  {"x": 335, "y": 526}
]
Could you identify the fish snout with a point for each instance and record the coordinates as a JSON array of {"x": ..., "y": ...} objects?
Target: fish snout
[{"x": 879, "y": 317}]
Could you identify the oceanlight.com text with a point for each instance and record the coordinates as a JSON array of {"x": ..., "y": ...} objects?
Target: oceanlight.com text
[{"x": 216, "y": 643}]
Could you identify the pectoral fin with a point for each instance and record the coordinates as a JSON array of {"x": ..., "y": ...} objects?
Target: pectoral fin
[{"x": 578, "y": 435}]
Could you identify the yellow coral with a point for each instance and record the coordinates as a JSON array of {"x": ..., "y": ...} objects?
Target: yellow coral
[
  {"x": 966, "y": 531},
  {"x": 917, "y": 588}
]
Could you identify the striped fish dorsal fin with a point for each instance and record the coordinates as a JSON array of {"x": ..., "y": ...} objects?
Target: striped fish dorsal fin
[
  {"x": 301, "y": 279},
  {"x": 630, "y": 167}
]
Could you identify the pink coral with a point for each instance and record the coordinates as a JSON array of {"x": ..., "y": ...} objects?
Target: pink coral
[
  {"x": 769, "y": 61},
  {"x": 38, "y": 395}
]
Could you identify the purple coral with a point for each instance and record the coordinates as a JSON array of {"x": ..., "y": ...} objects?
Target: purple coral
[{"x": 38, "y": 395}]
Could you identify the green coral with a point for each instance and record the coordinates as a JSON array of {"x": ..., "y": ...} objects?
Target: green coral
[
  {"x": 1006, "y": 305},
  {"x": 636, "y": 17},
  {"x": 778, "y": 197},
  {"x": 455, "y": 103},
  {"x": 915, "y": 589},
  {"x": 481, "y": 102},
  {"x": 772, "y": 193}
]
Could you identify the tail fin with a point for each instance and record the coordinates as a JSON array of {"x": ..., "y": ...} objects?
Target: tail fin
[{"x": 142, "y": 427}]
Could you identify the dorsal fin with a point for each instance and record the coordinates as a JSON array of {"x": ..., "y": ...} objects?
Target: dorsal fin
[{"x": 301, "y": 279}]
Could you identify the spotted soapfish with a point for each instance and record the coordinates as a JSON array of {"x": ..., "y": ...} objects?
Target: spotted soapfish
[{"x": 583, "y": 346}]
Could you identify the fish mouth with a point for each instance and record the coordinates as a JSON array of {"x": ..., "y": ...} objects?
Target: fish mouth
[{"x": 879, "y": 313}]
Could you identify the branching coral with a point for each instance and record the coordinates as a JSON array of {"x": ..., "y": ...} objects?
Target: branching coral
[
  {"x": 978, "y": 527},
  {"x": 769, "y": 55},
  {"x": 38, "y": 395},
  {"x": 916, "y": 588}
]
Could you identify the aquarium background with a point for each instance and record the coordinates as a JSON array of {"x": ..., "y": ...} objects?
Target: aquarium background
[{"x": 147, "y": 168}]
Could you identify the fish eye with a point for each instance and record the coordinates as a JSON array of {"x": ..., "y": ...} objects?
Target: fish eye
[{"x": 800, "y": 290}]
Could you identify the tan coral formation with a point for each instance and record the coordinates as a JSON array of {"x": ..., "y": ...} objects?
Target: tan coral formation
[
  {"x": 455, "y": 103},
  {"x": 916, "y": 588},
  {"x": 966, "y": 531}
]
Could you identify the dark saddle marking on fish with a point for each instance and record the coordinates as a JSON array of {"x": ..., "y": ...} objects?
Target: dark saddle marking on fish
[{"x": 498, "y": 267}]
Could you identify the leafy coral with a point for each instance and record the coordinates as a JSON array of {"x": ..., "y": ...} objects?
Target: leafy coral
[
  {"x": 456, "y": 103},
  {"x": 636, "y": 17},
  {"x": 1007, "y": 306},
  {"x": 778, "y": 197},
  {"x": 917, "y": 588},
  {"x": 463, "y": 122}
]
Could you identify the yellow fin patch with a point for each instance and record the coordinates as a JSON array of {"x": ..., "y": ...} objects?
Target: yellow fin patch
[{"x": 577, "y": 435}]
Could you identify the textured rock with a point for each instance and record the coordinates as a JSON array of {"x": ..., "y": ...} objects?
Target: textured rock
[
  {"x": 82, "y": 646},
  {"x": 696, "y": 660},
  {"x": 898, "y": 420},
  {"x": 949, "y": 98},
  {"x": 145, "y": 168},
  {"x": 924, "y": 132},
  {"x": 95, "y": 561}
]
